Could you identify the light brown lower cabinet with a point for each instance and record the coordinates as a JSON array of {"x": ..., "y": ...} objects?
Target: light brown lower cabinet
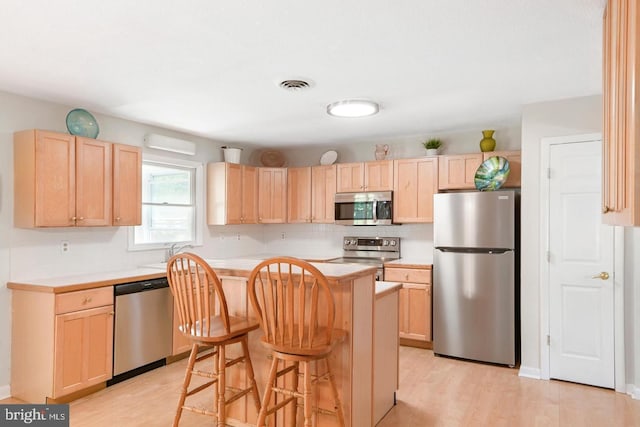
[
  {"x": 61, "y": 343},
  {"x": 415, "y": 303}
]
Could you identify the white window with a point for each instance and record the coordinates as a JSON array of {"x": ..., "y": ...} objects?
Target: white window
[{"x": 171, "y": 204}]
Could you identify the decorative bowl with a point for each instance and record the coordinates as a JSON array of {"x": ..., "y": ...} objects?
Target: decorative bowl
[
  {"x": 80, "y": 122},
  {"x": 492, "y": 173}
]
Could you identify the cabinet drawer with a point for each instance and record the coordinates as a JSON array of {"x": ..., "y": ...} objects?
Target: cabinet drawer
[
  {"x": 81, "y": 300},
  {"x": 411, "y": 275}
]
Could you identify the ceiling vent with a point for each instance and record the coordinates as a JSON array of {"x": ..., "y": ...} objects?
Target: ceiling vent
[{"x": 294, "y": 85}]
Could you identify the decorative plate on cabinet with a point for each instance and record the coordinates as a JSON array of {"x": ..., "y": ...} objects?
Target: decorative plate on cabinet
[
  {"x": 492, "y": 173},
  {"x": 328, "y": 158},
  {"x": 82, "y": 123},
  {"x": 272, "y": 159}
]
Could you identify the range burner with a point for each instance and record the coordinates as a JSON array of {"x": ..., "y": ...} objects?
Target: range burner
[{"x": 374, "y": 251}]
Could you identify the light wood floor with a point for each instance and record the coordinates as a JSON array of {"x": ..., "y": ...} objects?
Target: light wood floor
[{"x": 434, "y": 391}]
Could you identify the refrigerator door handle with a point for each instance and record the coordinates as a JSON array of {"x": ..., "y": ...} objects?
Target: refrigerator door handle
[{"x": 475, "y": 250}]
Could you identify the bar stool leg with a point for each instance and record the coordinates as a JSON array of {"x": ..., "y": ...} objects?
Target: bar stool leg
[
  {"x": 221, "y": 385},
  {"x": 185, "y": 383},
  {"x": 334, "y": 390},
  {"x": 250, "y": 375},
  {"x": 306, "y": 393},
  {"x": 268, "y": 392},
  {"x": 294, "y": 386}
]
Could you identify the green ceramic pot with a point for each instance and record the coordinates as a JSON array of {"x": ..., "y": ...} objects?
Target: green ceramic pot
[{"x": 487, "y": 143}]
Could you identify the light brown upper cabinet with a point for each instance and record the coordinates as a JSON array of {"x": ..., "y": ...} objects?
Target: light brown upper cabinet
[
  {"x": 299, "y": 194},
  {"x": 621, "y": 130},
  {"x": 515, "y": 165},
  {"x": 311, "y": 192},
  {"x": 323, "y": 192},
  {"x": 272, "y": 195},
  {"x": 367, "y": 176},
  {"x": 458, "y": 171},
  {"x": 232, "y": 194},
  {"x": 415, "y": 183},
  {"x": 61, "y": 180},
  {"x": 127, "y": 185}
]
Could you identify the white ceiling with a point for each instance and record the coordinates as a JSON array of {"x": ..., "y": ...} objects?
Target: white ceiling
[{"x": 212, "y": 67}]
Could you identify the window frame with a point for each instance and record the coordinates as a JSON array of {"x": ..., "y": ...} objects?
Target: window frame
[{"x": 198, "y": 203}]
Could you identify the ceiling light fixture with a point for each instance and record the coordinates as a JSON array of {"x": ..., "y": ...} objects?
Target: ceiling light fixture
[{"x": 353, "y": 108}]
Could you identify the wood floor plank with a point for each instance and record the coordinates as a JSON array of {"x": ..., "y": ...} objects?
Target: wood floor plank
[{"x": 434, "y": 391}]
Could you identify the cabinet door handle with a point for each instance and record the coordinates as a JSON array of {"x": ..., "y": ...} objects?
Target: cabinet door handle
[
  {"x": 73, "y": 218},
  {"x": 606, "y": 209},
  {"x": 406, "y": 276},
  {"x": 117, "y": 219},
  {"x": 86, "y": 300},
  {"x": 81, "y": 218}
]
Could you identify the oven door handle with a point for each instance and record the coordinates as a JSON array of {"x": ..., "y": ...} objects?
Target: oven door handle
[{"x": 375, "y": 211}]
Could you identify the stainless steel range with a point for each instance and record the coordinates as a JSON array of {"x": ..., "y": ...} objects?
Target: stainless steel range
[{"x": 374, "y": 251}]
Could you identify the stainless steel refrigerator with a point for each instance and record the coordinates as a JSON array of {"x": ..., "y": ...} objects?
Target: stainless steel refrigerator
[{"x": 474, "y": 268}]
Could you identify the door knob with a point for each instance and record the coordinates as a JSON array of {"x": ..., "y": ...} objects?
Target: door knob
[{"x": 604, "y": 276}]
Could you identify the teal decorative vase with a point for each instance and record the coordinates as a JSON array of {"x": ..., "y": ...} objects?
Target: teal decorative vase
[{"x": 487, "y": 143}]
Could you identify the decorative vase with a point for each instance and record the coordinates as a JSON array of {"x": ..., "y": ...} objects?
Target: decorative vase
[
  {"x": 381, "y": 151},
  {"x": 487, "y": 143},
  {"x": 432, "y": 151}
]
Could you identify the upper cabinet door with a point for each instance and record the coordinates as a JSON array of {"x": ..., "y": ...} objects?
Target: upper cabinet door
[
  {"x": 93, "y": 182},
  {"x": 127, "y": 185},
  {"x": 55, "y": 180},
  {"x": 621, "y": 130},
  {"x": 44, "y": 179},
  {"x": 249, "y": 195},
  {"x": 415, "y": 183},
  {"x": 299, "y": 194},
  {"x": 233, "y": 188},
  {"x": 350, "y": 177},
  {"x": 456, "y": 172},
  {"x": 323, "y": 193},
  {"x": 272, "y": 195},
  {"x": 378, "y": 175}
]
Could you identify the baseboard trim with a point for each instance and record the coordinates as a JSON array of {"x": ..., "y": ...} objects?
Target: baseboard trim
[
  {"x": 528, "y": 372},
  {"x": 5, "y": 391},
  {"x": 633, "y": 391}
]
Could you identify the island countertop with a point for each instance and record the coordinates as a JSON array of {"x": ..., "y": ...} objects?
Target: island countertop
[{"x": 236, "y": 267}]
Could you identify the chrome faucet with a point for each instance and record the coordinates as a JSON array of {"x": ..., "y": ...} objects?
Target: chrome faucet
[{"x": 175, "y": 249}]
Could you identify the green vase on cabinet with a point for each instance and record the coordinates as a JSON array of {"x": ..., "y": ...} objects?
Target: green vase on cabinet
[{"x": 487, "y": 143}]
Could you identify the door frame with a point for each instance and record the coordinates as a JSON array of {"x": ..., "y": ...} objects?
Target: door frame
[{"x": 618, "y": 268}]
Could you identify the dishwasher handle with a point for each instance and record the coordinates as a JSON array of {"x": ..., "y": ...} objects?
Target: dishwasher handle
[{"x": 140, "y": 286}]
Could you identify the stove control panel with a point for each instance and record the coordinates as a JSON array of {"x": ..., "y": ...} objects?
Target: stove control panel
[{"x": 371, "y": 244}]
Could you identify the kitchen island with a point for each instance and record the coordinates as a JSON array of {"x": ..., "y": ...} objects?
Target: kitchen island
[{"x": 352, "y": 361}]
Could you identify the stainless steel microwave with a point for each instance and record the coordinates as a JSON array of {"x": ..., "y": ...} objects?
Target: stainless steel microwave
[{"x": 370, "y": 208}]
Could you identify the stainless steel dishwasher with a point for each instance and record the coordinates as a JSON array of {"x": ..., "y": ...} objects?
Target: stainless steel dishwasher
[{"x": 143, "y": 327}]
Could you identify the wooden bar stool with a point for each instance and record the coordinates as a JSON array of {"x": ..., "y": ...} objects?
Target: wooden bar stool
[
  {"x": 296, "y": 310},
  {"x": 204, "y": 319}
]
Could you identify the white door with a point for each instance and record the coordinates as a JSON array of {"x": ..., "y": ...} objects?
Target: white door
[{"x": 581, "y": 251}]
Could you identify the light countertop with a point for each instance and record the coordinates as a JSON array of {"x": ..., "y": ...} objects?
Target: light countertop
[
  {"x": 237, "y": 267},
  {"x": 241, "y": 267},
  {"x": 411, "y": 262},
  {"x": 384, "y": 288},
  {"x": 86, "y": 281}
]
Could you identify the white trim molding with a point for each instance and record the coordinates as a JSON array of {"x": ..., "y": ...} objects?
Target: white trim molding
[
  {"x": 633, "y": 391},
  {"x": 528, "y": 372},
  {"x": 5, "y": 391}
]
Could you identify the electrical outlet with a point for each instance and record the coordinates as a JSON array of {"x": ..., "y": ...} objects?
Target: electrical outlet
[
  {"x": 64, "y": 246},
  {"x": 283, "y": 236}
]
